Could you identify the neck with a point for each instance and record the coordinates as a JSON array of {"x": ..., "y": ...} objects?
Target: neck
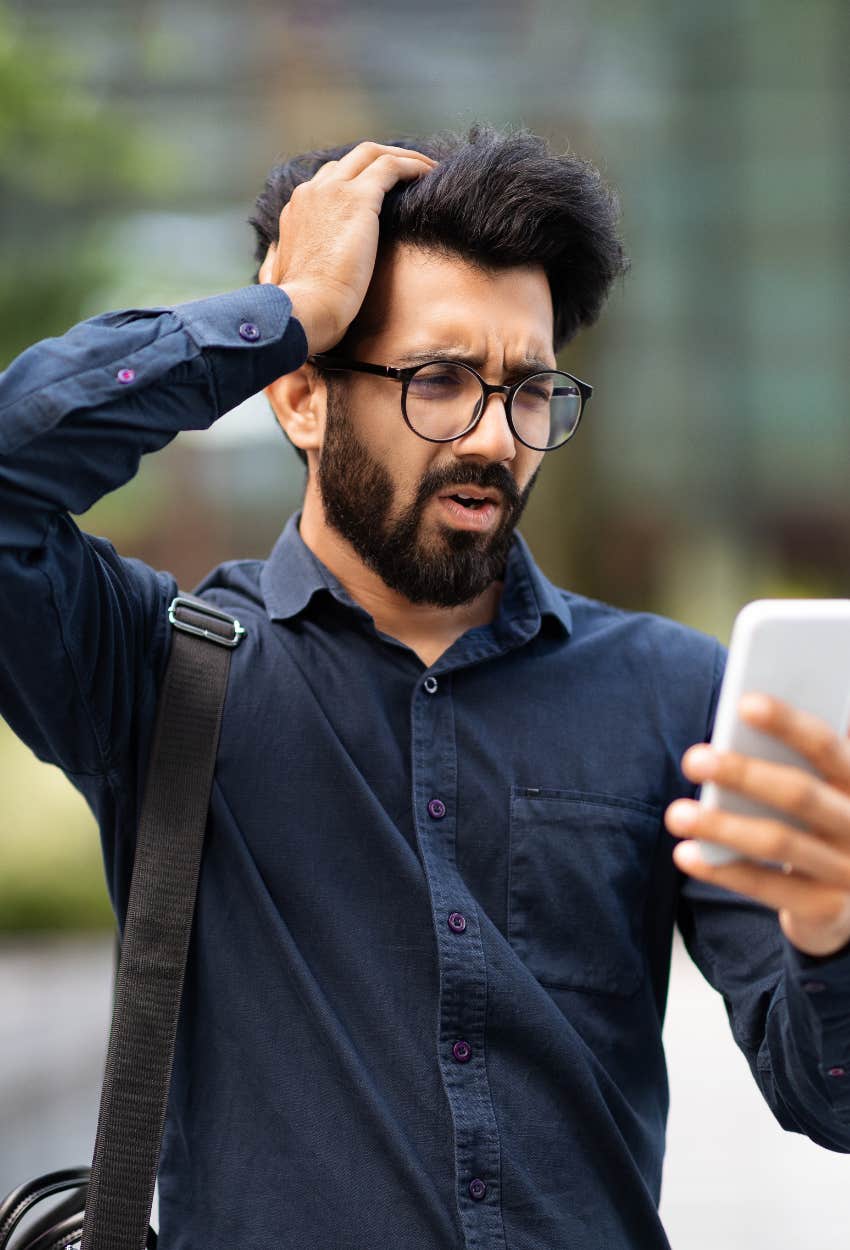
[{"x": 427, "y": 629}]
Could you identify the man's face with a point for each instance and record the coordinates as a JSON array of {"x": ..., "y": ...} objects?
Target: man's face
[{"x": 387, "y": 491}]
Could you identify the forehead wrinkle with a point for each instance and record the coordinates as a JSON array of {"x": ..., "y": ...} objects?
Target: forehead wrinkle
[{"x": 463, "y": 355}]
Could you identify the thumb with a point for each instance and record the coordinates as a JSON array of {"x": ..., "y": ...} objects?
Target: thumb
[{"x": 267, "y": 268}]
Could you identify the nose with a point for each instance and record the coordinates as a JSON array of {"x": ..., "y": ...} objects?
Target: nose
[{"x": 491, "y": 439}]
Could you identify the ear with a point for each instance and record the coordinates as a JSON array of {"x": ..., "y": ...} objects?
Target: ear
[{"x": 299, "y": 401}]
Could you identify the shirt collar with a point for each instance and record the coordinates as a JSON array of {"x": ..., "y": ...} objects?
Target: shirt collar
[
  {"x": 292, "y": 575},
  {"x": 527, "y": 591}
]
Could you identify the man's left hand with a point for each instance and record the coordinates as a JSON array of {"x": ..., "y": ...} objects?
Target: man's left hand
[{"x": 811, "y": 892}]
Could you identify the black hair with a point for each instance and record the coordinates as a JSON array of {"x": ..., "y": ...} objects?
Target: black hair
[{"x": 499, "y": 198}]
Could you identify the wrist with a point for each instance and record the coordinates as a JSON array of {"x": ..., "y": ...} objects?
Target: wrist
[{"x": 318, "y": 326}]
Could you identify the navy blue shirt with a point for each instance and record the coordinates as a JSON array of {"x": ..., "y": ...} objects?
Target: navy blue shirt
[{"x": 429, "y": 967}]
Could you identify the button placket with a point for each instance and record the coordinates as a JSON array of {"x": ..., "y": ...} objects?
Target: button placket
[{"x": 462, "y": 971}]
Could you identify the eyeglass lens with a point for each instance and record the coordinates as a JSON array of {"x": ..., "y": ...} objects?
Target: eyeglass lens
[{"x": 443, "y": 400}]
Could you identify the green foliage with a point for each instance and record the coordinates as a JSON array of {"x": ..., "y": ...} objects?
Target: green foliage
[
  {"x": 61, "y": 902},
  {"x": 59, "y": 142},
  {"x": 51, "y": 872},
  {"x": 68, "y": 160},
  {"x": 71, "y": 161},
  {"x": 42, "y": 298}
]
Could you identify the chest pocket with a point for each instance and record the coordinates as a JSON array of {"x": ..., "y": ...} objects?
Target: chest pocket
[{"x": 578, "y": 877}]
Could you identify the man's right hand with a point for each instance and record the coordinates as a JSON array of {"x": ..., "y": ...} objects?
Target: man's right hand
[{"x": 328, "y": 237}]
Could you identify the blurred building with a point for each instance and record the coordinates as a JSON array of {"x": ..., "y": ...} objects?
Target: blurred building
[{"x": 712, "y": 467}]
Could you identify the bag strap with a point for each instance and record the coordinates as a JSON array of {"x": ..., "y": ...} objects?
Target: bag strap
[{"x": 156, "y": 932}]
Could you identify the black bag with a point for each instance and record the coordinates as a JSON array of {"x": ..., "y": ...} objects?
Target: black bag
[{"x": 108, "y": 1205}]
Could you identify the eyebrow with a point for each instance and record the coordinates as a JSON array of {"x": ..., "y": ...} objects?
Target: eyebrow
[{"x": 522, "y": 365}]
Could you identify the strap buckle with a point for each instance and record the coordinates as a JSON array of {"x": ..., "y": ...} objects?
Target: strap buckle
[{"x": 199, "y": 608}]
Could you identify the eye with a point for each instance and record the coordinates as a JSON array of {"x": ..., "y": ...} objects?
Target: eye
[
  {"x": 537, "y": 391},
  {"x": 434, "y": 381},
  {"x": 437, "y": 381}
]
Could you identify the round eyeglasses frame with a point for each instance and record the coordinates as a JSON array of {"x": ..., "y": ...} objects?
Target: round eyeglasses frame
[{"x": 343, "y": 364}]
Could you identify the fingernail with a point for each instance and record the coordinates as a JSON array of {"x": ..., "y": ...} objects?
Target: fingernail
[
  {"x": 701, "y": 759},
  {"x": 687, "y": 854},
  {"x": 682, "y": 814}
]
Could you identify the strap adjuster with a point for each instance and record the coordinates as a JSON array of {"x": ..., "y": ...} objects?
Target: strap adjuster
[{"x": 198, "y": 608}]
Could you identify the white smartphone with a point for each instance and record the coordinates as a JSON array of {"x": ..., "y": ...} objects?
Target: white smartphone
[{"x": 797, "y": 650}]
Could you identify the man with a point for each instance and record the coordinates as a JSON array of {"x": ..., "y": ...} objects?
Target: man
[{"x": 429, "y": 966}]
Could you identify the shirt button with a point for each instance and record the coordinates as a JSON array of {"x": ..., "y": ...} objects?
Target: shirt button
[
  {"x": 125, "y": 375},
  {"x": 430, "y": 684},
  {"x": 437, "y": 809},
  {"x": 477, "y": 1189},
  {"x": 462, "y": 1052},
  {"x": 836, "y": 1072},
  {"x": 249, "y": 331},
  {"x": 814, "y": 987},
  {"x": 457, "y": 922}
]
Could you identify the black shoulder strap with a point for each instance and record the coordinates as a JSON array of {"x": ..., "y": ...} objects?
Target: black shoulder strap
[{"x": 156, "y": 932}]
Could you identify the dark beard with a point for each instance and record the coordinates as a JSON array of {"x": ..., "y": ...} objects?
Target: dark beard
[{"x": 357, "y": 496}]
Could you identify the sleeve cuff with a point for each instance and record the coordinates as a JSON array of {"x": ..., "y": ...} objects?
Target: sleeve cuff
[
  {"x": 248, "y": 337},
  {"x": 831, "y": 970},
  {"x": 252, "y": 316}
]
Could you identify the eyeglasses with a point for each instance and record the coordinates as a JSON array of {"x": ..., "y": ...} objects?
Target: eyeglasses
[{"x": 442, "y": 400}]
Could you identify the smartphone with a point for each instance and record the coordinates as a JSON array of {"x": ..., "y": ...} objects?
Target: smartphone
[{"x": 797, "y": 650}]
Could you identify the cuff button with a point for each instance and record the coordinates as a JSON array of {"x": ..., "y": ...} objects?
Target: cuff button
[{"x": 249, "y": 332}]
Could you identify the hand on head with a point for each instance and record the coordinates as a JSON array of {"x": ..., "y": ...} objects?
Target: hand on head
[{"x": 328, "y": 237}]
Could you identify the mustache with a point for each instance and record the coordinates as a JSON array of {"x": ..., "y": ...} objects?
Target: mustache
[{"x": 493, "y": 476}]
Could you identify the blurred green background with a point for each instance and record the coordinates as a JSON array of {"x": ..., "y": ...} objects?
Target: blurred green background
[{"x": 713, "y": 465}]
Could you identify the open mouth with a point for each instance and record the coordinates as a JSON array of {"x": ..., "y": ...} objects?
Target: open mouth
[
  {"x": 473, "y": 498},
  {"x": 470, "y": 501},
  {"x": 471, "y": 509}
]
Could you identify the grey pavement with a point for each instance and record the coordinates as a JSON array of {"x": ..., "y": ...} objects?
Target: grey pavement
[
  {"x": 733, "y": 1178},
  {"x": 56, "y": 995}
]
